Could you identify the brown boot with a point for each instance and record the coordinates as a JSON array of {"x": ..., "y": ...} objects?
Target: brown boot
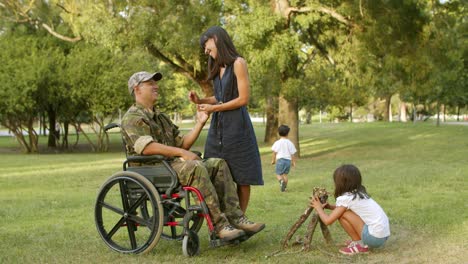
[
  {"x": 249, "y": 227},
  {"x": 228, "y": 232}
]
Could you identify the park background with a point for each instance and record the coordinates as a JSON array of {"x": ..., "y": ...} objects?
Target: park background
[{"x": 374, "y": 83}]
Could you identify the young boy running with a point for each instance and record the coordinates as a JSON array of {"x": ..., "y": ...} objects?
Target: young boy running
[{"x": 283, "y": 156}]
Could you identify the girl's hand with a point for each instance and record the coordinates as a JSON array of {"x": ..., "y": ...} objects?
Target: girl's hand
[
  {"x": 193, "y": 97},
  {"x": 315, "y": 203},
  {"x": 206, "y": 108}
]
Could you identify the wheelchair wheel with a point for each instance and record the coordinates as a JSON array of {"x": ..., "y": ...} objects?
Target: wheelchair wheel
[
  {"x": 118, "y": 215},
  {"x": 191, "y": 244}
]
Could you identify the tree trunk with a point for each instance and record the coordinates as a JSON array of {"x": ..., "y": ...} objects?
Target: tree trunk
[
  {"x": 51, "y": 143},
  {"x": 402, "y": 112},
  {"x": 438, "y": 114},
  {"x": 458, "y": 113},
  {"x": 33, "y": 138},
  {"x": 445, "y": 112},
  {"x": 271, "y": 127},
  {"x": 308, "y": 117},
  {"x": 351, "y": 113},
  {"x": 65, "y": 135},
  {"x": 288, "y": 115},
  {"x": 388, "y": 108},
  {"x": 320, "y": 115}
]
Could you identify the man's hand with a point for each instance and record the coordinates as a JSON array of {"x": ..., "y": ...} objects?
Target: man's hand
[
  {"x": 189, "y": 155},
  {"x": 202, "y": 116}
]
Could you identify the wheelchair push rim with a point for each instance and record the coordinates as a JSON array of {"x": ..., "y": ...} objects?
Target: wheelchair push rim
[{"x": 118, "y": 215}]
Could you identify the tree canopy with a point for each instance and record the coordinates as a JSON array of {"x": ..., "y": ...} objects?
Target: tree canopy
[{"x": 71, "y": 59}]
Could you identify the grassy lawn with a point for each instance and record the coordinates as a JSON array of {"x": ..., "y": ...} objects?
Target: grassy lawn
[{"x": 417, "y": 173}]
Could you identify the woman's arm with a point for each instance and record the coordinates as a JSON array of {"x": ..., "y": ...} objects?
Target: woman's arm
[{"x": 243, "y": 85}]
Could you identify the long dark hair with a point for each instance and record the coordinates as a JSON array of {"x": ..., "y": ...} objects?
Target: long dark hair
[
  {"x": 227, "y": 53},
  {"x": 348, "y": 178}
]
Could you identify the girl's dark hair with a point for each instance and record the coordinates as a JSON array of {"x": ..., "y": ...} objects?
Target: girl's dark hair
[
  {"x": 227, "y": 53},
  {"x": 283, "y": 130},
  {"x": 348, "y": 178}
]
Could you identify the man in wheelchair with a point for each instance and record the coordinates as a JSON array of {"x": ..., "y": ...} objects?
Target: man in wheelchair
[{"x": 147, "y": 131}]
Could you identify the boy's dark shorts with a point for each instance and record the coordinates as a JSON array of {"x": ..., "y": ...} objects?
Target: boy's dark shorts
[{"x": 283, "y": 166}]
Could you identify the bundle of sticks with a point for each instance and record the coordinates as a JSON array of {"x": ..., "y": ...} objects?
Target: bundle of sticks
[{"x": 306, "y": 241}]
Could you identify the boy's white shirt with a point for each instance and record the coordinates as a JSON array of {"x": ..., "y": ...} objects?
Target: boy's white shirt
[
  {"x": 284, "y": 149},
  {"x": 369, "y": 211}
]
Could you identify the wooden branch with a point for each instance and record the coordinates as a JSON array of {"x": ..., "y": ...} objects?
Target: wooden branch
[
  {"x": 321, "y": 9},
  {"x": 310, "y": 231},
  {"x": 153, "y": 50},
  {"x": 296, "y": 226},
  {"x": 325, "y": 232},
  {"x": 60, "y": 36},
  {"x": 66, "y": 10},
  {"x": 360, "y": 8}
]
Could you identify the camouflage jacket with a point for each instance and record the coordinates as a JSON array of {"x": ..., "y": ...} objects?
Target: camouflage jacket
[{"x": 141, "y": 126}]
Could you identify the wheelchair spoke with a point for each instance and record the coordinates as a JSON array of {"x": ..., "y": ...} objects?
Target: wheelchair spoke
[
  {"x": 123, "y": 194},
  {"x": 112, "y": 208},
  {"x": 131, "y": 233},
  {"x": 138, "y": 203},
  {"x": 140, "y": 220},
  {"x": 115, "y": 228}
]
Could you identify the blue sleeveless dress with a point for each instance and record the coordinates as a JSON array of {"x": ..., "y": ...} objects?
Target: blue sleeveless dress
[{"x": 231, "y": 135}]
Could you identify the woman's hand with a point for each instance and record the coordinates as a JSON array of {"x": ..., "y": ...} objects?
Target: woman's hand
[
  {"x": 206, "y": 108},
  {"x": 193, "y": 97}
]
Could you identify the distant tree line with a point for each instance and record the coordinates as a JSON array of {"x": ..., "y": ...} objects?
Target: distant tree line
[{"x": 68, "y": 62}]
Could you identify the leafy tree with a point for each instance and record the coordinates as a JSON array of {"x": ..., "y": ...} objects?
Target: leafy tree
[
  {"x": 392, "y": 32},
  {"x": 29, "y": 77}
]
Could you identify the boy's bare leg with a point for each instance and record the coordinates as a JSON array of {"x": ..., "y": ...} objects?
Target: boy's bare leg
[
  {"x": 279, "y": 177},
  {"x": 285, "y": 178},
  {"x": 243, "y": 191},
  {"x": 352, "y": 224}
]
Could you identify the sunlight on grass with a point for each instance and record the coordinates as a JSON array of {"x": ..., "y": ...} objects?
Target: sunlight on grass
[
  {"x": 63, "y": 168},
  {"x": 417, "y": 173}
]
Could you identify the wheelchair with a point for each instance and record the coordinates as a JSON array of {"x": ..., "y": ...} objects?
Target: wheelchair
[{"x": 138, "y": 206}]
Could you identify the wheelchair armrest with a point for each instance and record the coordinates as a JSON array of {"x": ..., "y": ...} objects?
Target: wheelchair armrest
[
  {"x": 110, "y": 126},
  {"x": 143, "y": 159},
  {"x": 199, "y": 154}
]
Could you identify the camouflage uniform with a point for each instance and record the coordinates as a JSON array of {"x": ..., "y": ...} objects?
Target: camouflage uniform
[{"x": 211, "y": 177}]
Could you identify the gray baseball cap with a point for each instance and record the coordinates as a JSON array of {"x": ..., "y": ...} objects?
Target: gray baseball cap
[{"x": 140, "y": 77}]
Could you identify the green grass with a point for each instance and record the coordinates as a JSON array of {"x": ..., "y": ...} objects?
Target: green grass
[{"x": 417, "y": 173}]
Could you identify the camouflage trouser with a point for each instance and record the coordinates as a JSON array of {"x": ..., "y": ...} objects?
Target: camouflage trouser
[{"x": 213, "y": 179}]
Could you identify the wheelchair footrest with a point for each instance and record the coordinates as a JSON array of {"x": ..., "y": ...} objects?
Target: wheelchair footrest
[{"x": 219, "y": 242}]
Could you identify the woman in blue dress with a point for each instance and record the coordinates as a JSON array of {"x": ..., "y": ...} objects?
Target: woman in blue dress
[{"x": 231, "y": 135}]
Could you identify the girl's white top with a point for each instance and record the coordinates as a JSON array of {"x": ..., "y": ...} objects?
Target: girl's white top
[
  {"x": 284, "y": 148},
  {"x": 369, "y": 211}
]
